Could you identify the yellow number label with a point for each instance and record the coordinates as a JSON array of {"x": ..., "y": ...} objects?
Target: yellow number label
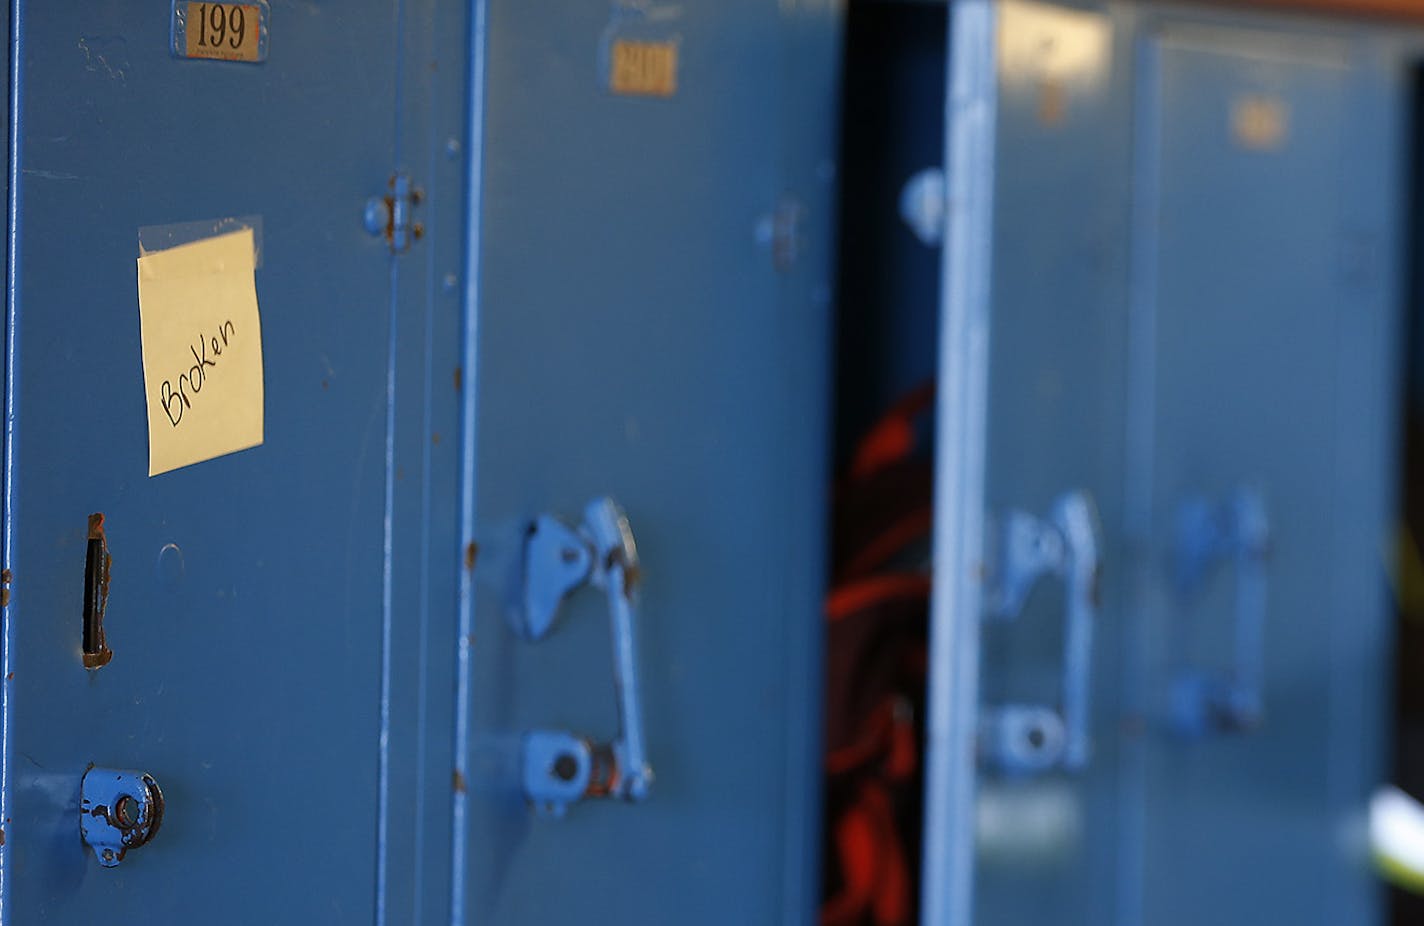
[
  {"x": 225, "y": 31},
  {"x": 644, "y": 68}
]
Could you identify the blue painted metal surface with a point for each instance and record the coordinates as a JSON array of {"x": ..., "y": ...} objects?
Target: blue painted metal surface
[
  {"x": 951, "y": 727},
  {"x": 1114, "y": 218},
  {"x": 1031, "y": 365},
  {"x": 1267, "y": 360},
  {"x": 637, "y": 340},
  {"x": 282, "y": 619}
]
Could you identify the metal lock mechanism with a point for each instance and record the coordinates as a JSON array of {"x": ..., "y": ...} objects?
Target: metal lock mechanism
[
  {"x": 1210, "y": 535},
  {"x": 119, "y": 810},
  {"x": 1032, "y": 738},
  {"x": 562, "y": 768}
]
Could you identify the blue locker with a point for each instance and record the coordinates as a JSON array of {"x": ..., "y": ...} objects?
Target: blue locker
[
  {"x": 1168, "y": 293},
  {"x": 280, "y": 619},
  {"x": 1056, "y": 361},
  {"x": 1025, "y": 699},
  {"x": 513, "y": 615},
  {"x": 653, "y": 318},
  {"x": 1265, "y": 364}
]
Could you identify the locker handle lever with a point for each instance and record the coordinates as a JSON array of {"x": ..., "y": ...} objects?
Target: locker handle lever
[
  {"x": 1208, "y": 535},
  {"x": 1020, "y": 738},
  {"x": 562, "y": 768}
]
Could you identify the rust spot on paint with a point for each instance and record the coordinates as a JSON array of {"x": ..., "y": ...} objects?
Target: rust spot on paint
[
  {"x": 459, "y": 378},
  {"x": 631, "y": 576},
  {"x": 97, "y": 566},
  {"x": 472, "y": 552},
  {"x": 1052, "y": 103},
  {"x": 457, "y": 781},
  {"x": 435, "y": 439}
]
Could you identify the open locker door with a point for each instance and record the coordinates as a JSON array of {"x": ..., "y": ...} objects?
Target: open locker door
[
  {"x": 1189, "y": 326},
  {"x": 1021, "y": 823}
]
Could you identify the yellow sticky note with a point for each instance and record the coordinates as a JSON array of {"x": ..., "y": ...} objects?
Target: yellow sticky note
[{"x": 202, "y": 350}]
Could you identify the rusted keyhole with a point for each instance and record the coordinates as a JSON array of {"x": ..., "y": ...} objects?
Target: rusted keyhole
[
  {"x": 96, "y": 594},
  {"x": 127, "y": 812}
]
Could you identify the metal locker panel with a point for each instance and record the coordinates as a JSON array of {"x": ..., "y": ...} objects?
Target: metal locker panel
[
  {"x": 424, "y": 878},
  {"x": 1021, "y": 819},
  {"x": 652, "y": 327},
  {"x": 260, "y": 609},
  {"x": 1265, "y": 316},
  {"x": 808, "y": 148}
]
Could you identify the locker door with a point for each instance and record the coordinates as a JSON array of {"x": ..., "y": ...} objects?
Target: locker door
[
  {"x": 653, "y": 330},
  {"x": 1026, "y": 628},
  {"x": 1267, "y": 312},
  {"x": 263, "y": 607}
]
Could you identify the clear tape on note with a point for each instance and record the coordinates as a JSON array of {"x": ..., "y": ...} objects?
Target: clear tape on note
[{"x": 155, "y": 238}]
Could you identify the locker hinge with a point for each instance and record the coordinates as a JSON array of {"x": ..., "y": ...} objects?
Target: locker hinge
[
  {"x": 782, "y": 232},
  {"x": 392, "y": 216}
]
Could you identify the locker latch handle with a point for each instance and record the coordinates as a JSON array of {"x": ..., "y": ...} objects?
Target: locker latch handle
[
  {"x": 562, "y": 768},
  {"x": 1209, "y": 535},
  {"x": 1033, "y": 738}
]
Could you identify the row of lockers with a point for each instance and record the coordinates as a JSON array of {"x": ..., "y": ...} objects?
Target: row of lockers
[
  {"x": 1169, "y": 290},
  {"x": 512, "y": 613}
]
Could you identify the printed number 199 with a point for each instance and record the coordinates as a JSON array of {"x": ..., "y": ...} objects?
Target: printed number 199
[
  {"x": 221, "y": 31},
  {"x": 217, "y": 22}
]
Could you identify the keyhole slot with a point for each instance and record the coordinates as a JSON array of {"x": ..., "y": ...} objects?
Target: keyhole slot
[
  {"x": 127, "y": 812},
  {"x": 566, "y": 767},
  {"x": 97, "y": 563},
  {"x": 1036, "y": 738}
]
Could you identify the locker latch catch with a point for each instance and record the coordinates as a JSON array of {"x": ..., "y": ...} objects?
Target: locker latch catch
[
  {"x": 1033, "y": 738},
  {"x": 119, "y": 810},
  {"x": 561, "y": 768},
  {"x": 1209, "y": 535}
]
